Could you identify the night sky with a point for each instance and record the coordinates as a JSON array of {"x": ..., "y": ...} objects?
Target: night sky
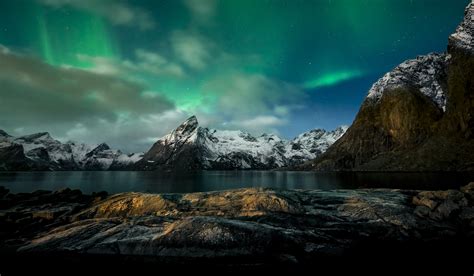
[{"x": 127, "y": 72}]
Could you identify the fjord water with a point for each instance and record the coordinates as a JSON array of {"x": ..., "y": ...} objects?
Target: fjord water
[{"x": 155, "y": 182}]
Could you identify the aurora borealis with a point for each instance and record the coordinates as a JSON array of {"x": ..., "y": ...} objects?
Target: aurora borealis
[{"x": 127, "y": 72}]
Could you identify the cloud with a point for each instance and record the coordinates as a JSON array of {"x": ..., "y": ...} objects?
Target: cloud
[
  {"x": 332, "y": 78},
  {"x": 192, "y": 49},
  {"x": 92, "y": 107},
  {"x": 240, "y": 93},
  {"x": 69, "y": 102},
  {"x": 134, "y": 134},
  {"x": 4, "y": 50},
  {"x": 145, "y": 62},
  {"x": 117, "y": 12},
  {"x": 255, "y": 125},
  {"x": 202, "y": 10},
  {"x": 252, "y": 102},
  {"x": 157, "y": 64}
]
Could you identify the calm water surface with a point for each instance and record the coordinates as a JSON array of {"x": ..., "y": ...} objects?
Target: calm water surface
[{"x": 153, "y": 182}]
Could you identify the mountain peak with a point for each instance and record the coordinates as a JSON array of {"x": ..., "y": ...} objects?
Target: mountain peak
[
  {"x": 188, "y": 126},
  {"x": 342, "y": 128},
  {"x": 192, "y": 120},
  {"x": 100, "y": 148},
  {"x": 37, "y": 136},
  {"x": 425, "y": 72},
  {"x": 4, "y": 134},
  {"x": 463, "y": 37}
]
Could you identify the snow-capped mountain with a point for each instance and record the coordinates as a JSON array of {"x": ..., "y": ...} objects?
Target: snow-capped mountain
[
  {"x": 463, "y": 37},
  {"x": 40, "y": 151},
  {"x": 312, "y": 144},
  {"x": 418, "y": 117},
  {"x": 187, "y": 147},
  {"x": 425, "y": 73},
  {"x": 191, "y": 147}
]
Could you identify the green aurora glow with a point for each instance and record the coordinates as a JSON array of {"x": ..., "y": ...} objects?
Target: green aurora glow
[
  {"x": 63, "y": 37},
  {"x": 332, "y": 79},
  {"x": 304, "y": 63}
]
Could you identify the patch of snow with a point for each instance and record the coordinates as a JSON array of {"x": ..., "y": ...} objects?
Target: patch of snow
[
  {"x": 56, "y": 150},
  {"x": 222, "y": 144},
  {"x": 132, "y": 158},
  {"x": 105, "y": 162},
  {"x": 463, "y": 37},
  {"x": 241, "y": 150},
  {"x": 424, "y": 73},
  {"x": 185, "y": 133},
  {"x": 5, "y": 144},
  {"x": 245, "y": 151},
  {"x": 310, "y": 145},
  {"x": 76, "y": 155},
  {"x": 80, "y": 150}
]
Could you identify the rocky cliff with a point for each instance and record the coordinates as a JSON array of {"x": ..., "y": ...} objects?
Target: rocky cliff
[
  {"x": 192, "y": 147},
  {"x": 418, "y": 117}
]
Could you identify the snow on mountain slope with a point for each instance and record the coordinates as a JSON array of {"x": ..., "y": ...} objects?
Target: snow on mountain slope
[
  {"x": 463, "y": 37},
  {"x": 419, "y": 117},
  {"x": 187, "y": 146},
  {"x": 42, "y": 147},
  {"x": 225, "y": 145},
  {"x": 5, "y": 139},
  {"x": 428, "y": 72},
  {"x": 193, "y": 147},
  {"x": 127, "y": 159},
  {"x": 45, "y": 152},
  {"x": 311, "y": 144},
  {"x": 12, "y": 156},
  {"x": 424, "y": 73}
]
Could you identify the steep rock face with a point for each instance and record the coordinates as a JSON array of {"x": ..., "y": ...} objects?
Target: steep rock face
[
  {"x": 12, "y": 155},
  {"x": 461, "y": 77},
  {"x": 12, "y": 158},
  {"x": 191, "y": 147},
  {"x": 311, "y": 144},
  {"x": 47, "y": 152},
  {"x": 417, "y": 117},
  {"x": 40, "y": 151},
  {"x": 177, "y": 150}
]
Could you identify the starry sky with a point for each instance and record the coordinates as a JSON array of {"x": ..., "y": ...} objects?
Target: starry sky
[{"x": 128, "y": 72}]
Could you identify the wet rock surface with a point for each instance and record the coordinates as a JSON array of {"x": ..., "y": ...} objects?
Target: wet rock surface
[
  {"x": 24, "y": 215},
  {"x": 254, "y": 225}
]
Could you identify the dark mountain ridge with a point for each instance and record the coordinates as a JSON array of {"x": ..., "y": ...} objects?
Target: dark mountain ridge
[{"x": 418, "y": 117}]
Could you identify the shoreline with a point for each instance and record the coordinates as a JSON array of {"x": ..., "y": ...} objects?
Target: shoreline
[{"x": 242, "y": 227}]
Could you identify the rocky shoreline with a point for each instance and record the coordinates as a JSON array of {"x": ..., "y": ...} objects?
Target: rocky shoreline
[{"x": 249, "y": 226}]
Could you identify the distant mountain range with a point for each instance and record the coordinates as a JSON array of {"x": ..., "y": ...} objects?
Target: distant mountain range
[
  {"x": 42, "y": 152},
  {"x": 192, "y": 147},
  {"x": 189, "y": 147},
  {"x": 418, "y": 117}
]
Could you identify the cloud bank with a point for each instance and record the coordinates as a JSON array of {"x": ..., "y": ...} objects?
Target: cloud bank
[{"x": 77, "y": 104}]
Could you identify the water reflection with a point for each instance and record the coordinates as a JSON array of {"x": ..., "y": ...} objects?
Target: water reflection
[{"x": 154, "y": 182}]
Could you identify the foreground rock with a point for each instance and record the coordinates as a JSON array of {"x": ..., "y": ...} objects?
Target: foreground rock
[{"x": 249, "y": 225}]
